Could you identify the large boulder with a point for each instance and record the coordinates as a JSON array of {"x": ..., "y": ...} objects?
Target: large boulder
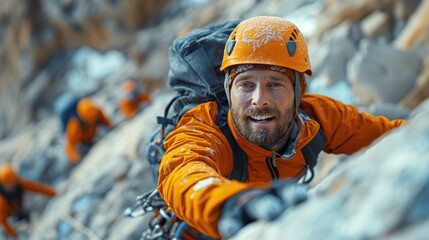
[
  {"x": 379, "y": 73},
  {"x": 379, "y": 193}
]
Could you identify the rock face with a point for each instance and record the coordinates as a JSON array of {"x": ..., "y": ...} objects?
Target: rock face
[
  {"x": 377, "y": 73},
  {"x": 40, "y": 35},
  {"x": 379, "y": 193},
  {"x": 420, "y": 91},
  {"x": 49, "y": 48},
  {"x": 104, "y": 184}
]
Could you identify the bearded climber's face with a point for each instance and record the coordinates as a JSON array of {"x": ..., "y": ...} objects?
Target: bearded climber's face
[{"x": 262, "y": 105}]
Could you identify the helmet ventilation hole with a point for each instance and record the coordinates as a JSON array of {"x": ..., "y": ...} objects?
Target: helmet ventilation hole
[
  {"x": 233, "y": 35},
  {"x": 230, "y": 44},
  {"x": 294, "y": 35}
]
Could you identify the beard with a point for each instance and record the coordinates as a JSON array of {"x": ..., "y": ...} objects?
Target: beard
[{"x": 262, "y": 136}]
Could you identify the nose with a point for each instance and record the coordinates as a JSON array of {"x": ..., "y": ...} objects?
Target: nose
[{"x": 259, "y": 97}]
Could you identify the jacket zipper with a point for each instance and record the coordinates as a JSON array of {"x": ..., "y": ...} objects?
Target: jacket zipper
[{"x": 271, "y": 163}]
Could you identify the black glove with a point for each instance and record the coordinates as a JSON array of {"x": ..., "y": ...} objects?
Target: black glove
[{"x": 259, "y": 204}]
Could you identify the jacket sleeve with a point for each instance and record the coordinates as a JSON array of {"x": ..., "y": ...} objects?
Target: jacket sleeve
[
  {"x": 347, "y": 129},
  {"x": 4, "y": 214},
  {"x": 104, "y": 119},
  {"x": 145, "y": 98},
  {"x": 191, "y": 174},
  {"x": 36, "y": 187},
  {"x": 126, "y": 108}
]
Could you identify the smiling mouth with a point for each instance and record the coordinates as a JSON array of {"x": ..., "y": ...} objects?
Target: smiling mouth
[{"x": 261, "y": 118}]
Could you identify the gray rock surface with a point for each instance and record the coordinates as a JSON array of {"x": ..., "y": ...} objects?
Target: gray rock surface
[
  {"x": 389, "y": 110},
  {"x": 379, "y": 193},
  {"x": 49, "y": 48},
  {"x": 378, "y": 73}
]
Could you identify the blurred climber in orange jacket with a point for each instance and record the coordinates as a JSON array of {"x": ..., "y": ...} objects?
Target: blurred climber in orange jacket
[
  {"x": 81, "y": 130},
  {"x": 134, "y": 99},
  {"x": 12, "y": 188}
]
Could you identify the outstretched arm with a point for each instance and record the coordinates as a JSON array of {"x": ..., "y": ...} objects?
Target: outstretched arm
[
  {"x": 347, "y": 129},
  {"x": 37, "y": 187},
  {"x": 104, "y": 119}
]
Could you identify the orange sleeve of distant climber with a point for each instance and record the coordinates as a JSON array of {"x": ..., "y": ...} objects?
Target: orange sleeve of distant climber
[
  {"x": 127, "y": 109},
  {"x": 130, "y": 108},
  {"x": 72, "y": 140},
  {"x": 145, "y": 98},
  {"x": 104, "y": 119},
  {"x": 4, "y": 214},
  {"x": 36, "y": 187}
]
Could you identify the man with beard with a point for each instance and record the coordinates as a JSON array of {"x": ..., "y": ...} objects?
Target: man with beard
[{"x": 271, "y": 118}]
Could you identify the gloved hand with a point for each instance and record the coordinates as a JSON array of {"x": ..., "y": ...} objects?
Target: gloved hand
[{"x": 259, "y": 204}]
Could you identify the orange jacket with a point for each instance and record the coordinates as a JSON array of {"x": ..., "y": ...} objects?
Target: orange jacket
[
  {"x": 9, "y": 208},
  {"x": 83, "y": 131},
  {"x": 129, "y": 107},
  {"x": 192, "y": 174}
]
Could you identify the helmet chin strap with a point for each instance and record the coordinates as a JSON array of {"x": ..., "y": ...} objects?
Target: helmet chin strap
[
  {"x": 296, "y": 99},
  {"x": 228, "y": 86},
  {"x": 296, "y": 90}
]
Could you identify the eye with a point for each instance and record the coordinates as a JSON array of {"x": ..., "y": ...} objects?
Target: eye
[
  {"x": 245, "y": 85},
  {"x": 274, "y": 84}
]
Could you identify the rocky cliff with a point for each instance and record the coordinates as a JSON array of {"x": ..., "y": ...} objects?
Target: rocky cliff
[{"x": 376, "y": 48}]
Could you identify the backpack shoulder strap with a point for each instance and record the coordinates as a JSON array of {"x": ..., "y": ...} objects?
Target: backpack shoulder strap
[
  {"x": 312, "y": 150},
  {"x": 13, "y": 197},
  {"x": 3, "y": 192},
  {"x": 239, "y": 170}
]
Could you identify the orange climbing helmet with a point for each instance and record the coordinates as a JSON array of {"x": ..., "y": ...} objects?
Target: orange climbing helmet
[
  {"x": 7, "y": 174},
  {"x": 87, "y": 110},
  {"x": 267, "y": 40}
]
